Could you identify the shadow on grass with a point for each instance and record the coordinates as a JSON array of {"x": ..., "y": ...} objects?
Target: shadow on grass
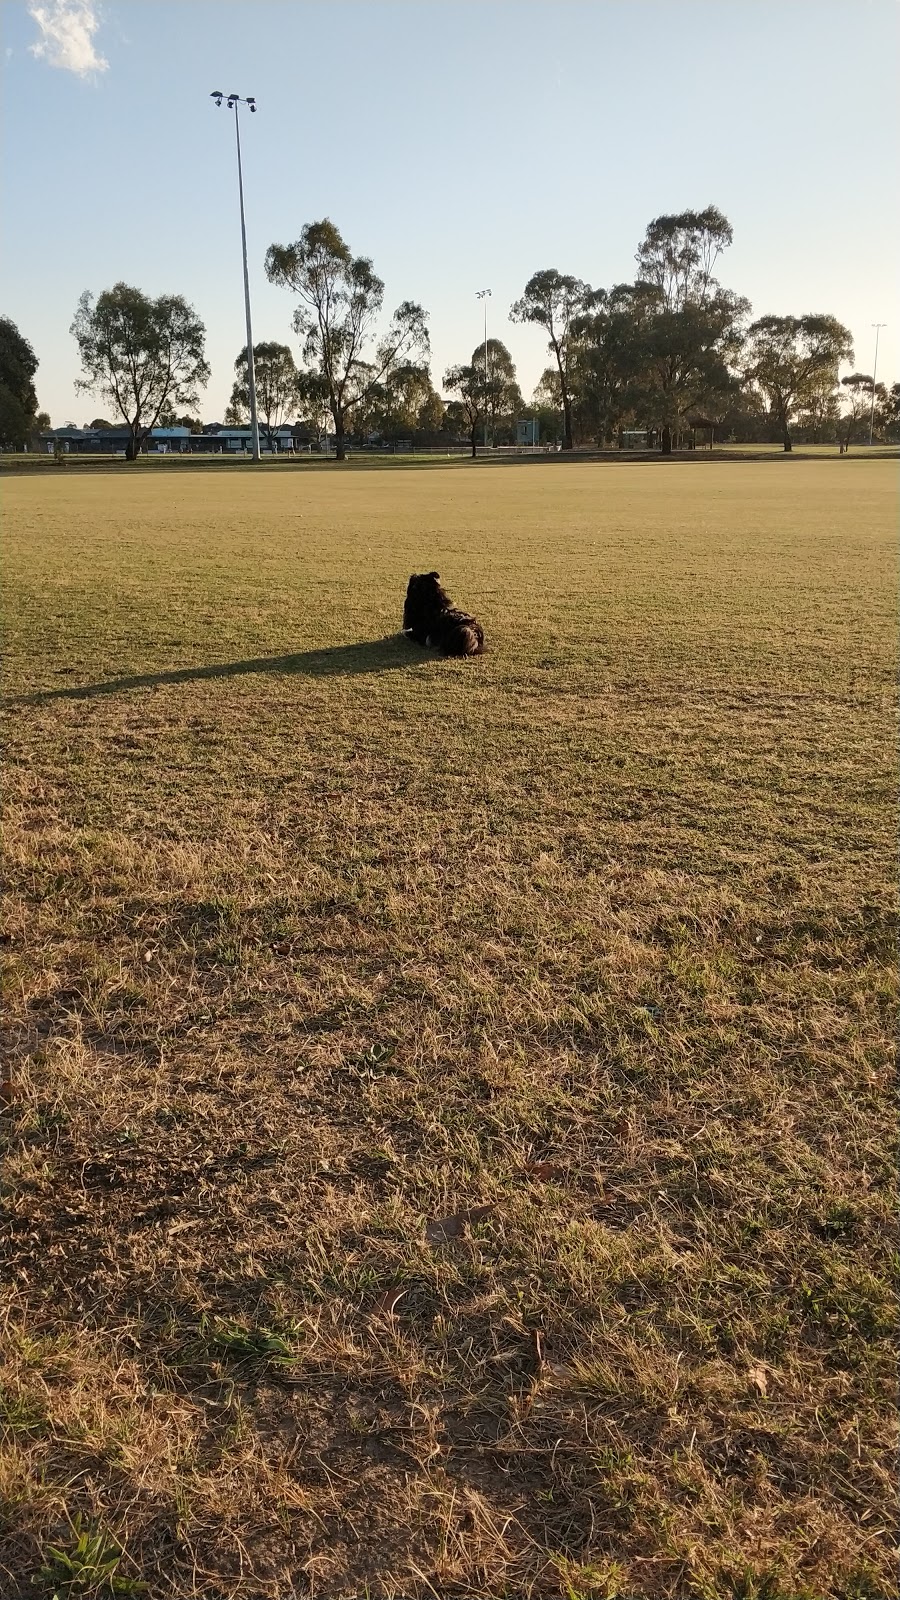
[{"x": 345, "y": 660}]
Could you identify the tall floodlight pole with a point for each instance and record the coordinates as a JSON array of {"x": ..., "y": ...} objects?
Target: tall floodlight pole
[
  {"x": 878, "y": 327},
  {"x": 234, "y": 100},
  {"x": 485, "y": 295}
]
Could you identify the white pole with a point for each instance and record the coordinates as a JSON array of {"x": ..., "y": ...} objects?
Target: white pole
[
  {"x": 483, "y": 294},
  {"x": 486, "y": 400},
  {"x": 251, "y": 372},
  {"x": 878, "y": 327}
]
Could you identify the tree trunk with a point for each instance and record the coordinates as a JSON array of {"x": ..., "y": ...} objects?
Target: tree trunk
[
  {"x": 131, "y": 448},
  {"x": 340, "y": 448},
  {"x": 667, "y": 440},
  {"x": 474, "y": 439}
]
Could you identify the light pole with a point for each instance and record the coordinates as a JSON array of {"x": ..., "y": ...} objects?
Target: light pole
[
  {"x": 878, "y": 327},
  {"x": 485, "y": 295},
  {"x": 234, "y": 100}
]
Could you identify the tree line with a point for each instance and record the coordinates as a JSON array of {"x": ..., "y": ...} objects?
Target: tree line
[{"x": 672, "y": 352}]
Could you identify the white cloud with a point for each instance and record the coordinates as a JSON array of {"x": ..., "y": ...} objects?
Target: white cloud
[{"x": 67, "y": 36}]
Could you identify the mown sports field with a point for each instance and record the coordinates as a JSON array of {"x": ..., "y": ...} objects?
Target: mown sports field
[{"x": 449, "y": 1141}]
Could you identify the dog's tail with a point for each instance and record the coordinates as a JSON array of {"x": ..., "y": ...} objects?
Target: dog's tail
[{"x": 467, "y": 639}]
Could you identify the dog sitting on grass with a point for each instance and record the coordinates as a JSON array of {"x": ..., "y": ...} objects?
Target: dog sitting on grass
[{"x": 429, "y": 618}]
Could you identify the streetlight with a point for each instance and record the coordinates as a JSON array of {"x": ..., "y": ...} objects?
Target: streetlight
[
  {"x": 485, "y": 295},
  {"x": 878, "y": 327},
  {"x": 234, "y": 100}
]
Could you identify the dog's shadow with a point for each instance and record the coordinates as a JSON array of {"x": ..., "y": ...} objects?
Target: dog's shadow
[{"x": 342, "y": 660}]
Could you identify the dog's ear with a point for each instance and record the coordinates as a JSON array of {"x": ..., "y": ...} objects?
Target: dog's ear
[{"x": 434, "y": 575}]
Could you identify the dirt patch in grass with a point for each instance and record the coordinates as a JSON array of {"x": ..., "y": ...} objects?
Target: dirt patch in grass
[{"x": 448, "y": 1132}]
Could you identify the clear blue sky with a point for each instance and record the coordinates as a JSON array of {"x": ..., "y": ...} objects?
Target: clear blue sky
[{"x": 460, "y": 146}]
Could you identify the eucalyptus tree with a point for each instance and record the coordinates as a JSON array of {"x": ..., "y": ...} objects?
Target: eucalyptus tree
[
  {"x": 889, "y": 413},
  {"x": 691, "y": 329},
  {"x": 608, "y": 361},
  {"x": 502, "y": 395},
  {"x": 341, "y": 299},
  {"x": 467, "y": 383},
  {"x": 402, "y": 406},
  {"x": 791, "y": 359},
  {"x": 553, "y": 300},
  {"x": 859, "y": 391},
  {"x": 143, "y": 356},
  {"x": 277, "y": 387},
  {"x": 18, "y": 400}
]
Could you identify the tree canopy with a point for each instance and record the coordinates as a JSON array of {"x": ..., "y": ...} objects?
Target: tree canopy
[
  {"x": 341, "y": 298},
  {"x": 403, "y": 406},
  {"x": 277, "y": 383},
  {"x": 466, "y": 381},
  {"x": 889, "y": 412},
  {"x": 790, "y": 358},
  {"x": 552, "y": 300},
  {"x": 688, "y": 328},
  {"x": 18, "y": 399},
  {"x": 859, "y": 391},
  {"x": 141, "y": 355},
  {"x": 678, "y": 253},
  {"x": 502, "y": 401}
]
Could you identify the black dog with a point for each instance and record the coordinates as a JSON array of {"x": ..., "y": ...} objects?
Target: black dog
[{"x": 429, "y": 618}]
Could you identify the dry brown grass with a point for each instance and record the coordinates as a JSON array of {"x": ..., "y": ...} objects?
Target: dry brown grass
[{"x": 450, "y": 1140}]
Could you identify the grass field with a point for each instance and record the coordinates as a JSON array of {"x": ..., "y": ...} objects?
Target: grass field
[{"x": 449, "y": 1140}]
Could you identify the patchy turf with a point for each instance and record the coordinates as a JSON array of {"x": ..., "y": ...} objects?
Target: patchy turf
[{"x": 449, "y": 1143}]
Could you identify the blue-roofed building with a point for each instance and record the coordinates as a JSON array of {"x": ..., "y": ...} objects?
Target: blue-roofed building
[{"x": 216, "y": 439}]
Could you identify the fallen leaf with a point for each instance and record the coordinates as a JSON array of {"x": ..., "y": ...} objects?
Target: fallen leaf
[
  {"x": 758, "y": 1378},
  {"x": 480, "y": 1214},
  {"x": 442, "y": 1229},
  {"x": 386, "y": 1304},
  {"x": 545, "y": 1171}
]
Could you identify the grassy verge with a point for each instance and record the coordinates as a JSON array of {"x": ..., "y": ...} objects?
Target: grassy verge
[
  {"x": 449, "y": 1136},
  {"x": 33, "y": 462}
]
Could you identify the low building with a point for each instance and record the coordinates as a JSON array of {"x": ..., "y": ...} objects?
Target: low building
[
  {"x": 86, "y": 441},
  {"x": 216, "y": 439},
  {"x": 222, "y": 440}
]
